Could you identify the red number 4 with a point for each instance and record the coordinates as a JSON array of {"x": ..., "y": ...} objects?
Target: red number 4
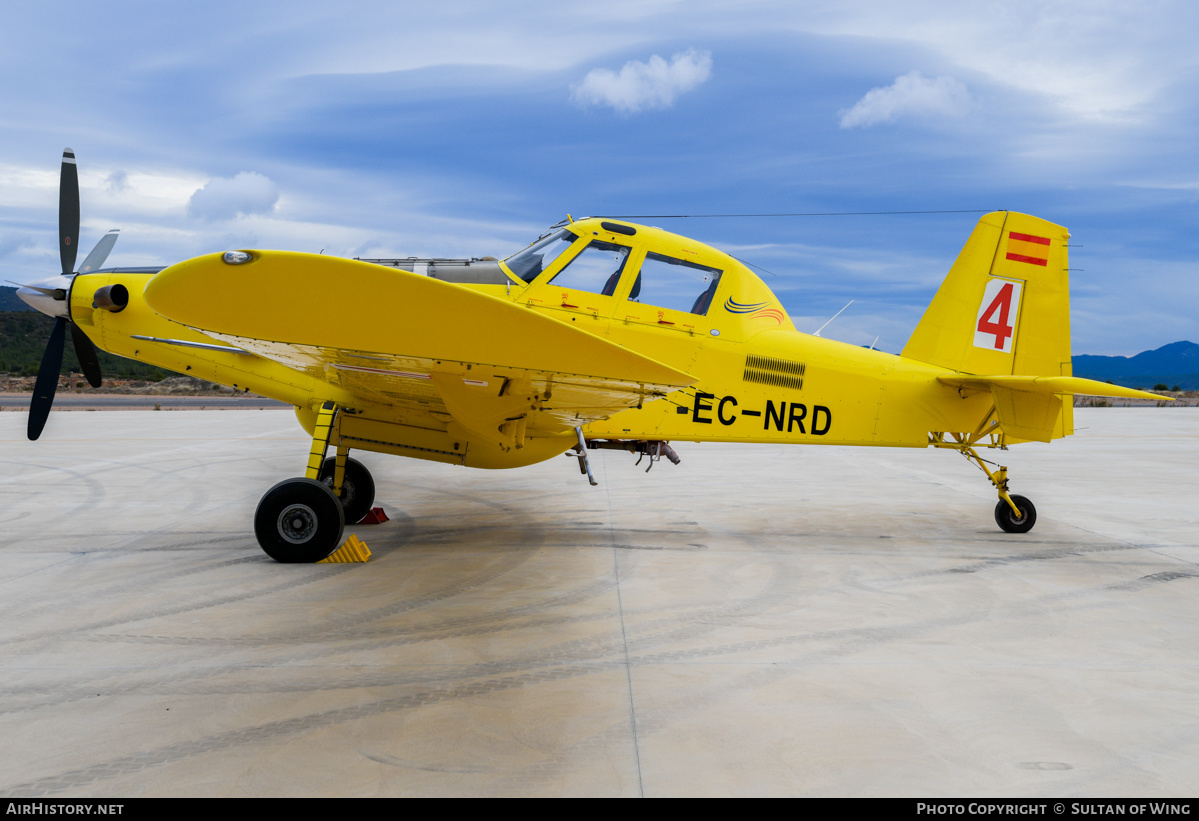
[{"x": 1001, "y": 328}]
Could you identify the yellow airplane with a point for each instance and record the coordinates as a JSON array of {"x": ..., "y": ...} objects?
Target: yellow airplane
[{"x": 600, "y": 334}]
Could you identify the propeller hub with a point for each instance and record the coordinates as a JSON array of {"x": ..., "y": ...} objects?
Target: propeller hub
[
  {"x": 53, "y": 298},
  {"x": 48, "y": 296}
]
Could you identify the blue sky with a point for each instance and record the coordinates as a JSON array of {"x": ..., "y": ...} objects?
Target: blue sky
[{"x": 373, "y": 129}]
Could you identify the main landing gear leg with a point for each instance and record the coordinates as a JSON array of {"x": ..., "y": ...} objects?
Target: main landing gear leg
[
  {"x": 1013, "y": 514},
  {"x": 355, "y": 487},
  {"x": 302, "y": 520},
  {"x": 348, "y": 478}
]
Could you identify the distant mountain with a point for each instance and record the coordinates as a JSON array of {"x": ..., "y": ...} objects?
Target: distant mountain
[
  {"x": 1173, "y": 364},
  {"x": 9, "y": 301}
]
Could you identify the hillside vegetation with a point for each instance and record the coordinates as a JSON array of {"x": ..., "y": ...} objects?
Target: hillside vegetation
[{"x": 23, "y": 337}]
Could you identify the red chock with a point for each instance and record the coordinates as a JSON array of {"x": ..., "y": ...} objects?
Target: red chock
[{"x": 375, "y": 516}]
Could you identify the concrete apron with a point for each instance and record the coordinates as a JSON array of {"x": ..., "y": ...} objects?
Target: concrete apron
[{"x": 760, "y": 620}]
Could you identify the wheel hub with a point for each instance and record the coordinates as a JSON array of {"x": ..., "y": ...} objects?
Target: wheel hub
[{"x": 297, "y": 523}]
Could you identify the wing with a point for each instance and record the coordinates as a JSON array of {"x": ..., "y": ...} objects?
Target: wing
[{"x": 410, "y": 345}]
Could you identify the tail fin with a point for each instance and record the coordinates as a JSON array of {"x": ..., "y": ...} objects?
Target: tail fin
[
  {"x": 1004, "y": 310},
  {"x": 1004, "y": 307}
]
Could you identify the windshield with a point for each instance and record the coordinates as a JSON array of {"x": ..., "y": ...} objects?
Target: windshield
[{"x": 529, "y": 263}]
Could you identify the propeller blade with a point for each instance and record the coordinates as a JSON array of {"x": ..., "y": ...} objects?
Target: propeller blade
[
  {"x": 100, "y": 253},
  {"x": 68, "y": 212},
  {"x": 59, "y": 294},
  {"x": 89, "y": 360},
  {"x": 47, "y": 379}
]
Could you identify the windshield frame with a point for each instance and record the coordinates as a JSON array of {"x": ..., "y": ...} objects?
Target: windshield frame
[{"x": 527, "y": 265}]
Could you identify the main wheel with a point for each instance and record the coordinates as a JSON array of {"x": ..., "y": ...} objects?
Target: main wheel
[
  {"x": 357, "y": 488},
  {"x": 1008, "y": 521},
  {"x": 299, "y": 520}
]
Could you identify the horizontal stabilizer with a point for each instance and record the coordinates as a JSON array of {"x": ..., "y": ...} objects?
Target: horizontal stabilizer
[
  {"x": 1048, "y": 385},
  {"x": 1031, "y": 407}
]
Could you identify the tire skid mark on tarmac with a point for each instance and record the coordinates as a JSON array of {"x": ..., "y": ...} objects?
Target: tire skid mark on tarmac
[
  {"x": 659, "y": 631},
  {"x": 518, "y": 672},
  {"x": 94, "y": 488},
  {"x": 159, "y": 612},
  {"x": 124, "y": 765},
  {"x": 671, "y": 630},
  {"x": 519, "y": 617},
  {"x": 350, "y": 628},
  {"x": 354, "y": 621},
  {"x": 28, "y": 605},
  {"x": 751, "y": 675},
  {"x": 192, "y": 678},
  {"x": 354, "y": 625},
  {"x": 704, "y": 620},
  {"x": 502, "y": 676},
  {"x": 1047, "y": 555},
  {"x": 528, "y": 541},
  {"x": 645, "y": 634}
]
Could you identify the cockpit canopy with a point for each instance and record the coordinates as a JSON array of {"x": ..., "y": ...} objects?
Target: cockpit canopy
[{"x": 596, "y": 265}]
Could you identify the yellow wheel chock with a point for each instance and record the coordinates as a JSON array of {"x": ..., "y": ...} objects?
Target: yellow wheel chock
[{"x": 353, "y": 551}]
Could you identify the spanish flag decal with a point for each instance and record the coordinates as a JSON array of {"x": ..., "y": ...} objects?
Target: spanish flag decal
[{"x": 1028, "y": 248}]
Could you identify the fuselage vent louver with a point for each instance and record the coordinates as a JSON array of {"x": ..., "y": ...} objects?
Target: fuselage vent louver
[{"x": 769, "y": 370}]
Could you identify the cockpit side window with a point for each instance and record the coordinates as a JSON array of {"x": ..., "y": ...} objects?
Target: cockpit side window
[
  {"x": 596, "y": 269},
  {"x": 531, "y": 262},
  {"x": 675, "y": 284}
]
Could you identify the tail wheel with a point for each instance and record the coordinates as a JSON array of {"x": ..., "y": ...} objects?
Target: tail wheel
[
  {"x": 299, "y": 520},
  {"x": 1007, "y": 519},
  {"x": 357, "y": 488}
]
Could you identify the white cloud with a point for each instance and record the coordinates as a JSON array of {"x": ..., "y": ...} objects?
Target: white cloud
[
  {"x": 11, "y": 243},
  {"x": 1106, "y": 61},
  {"x": 912, "y": 94},
  {"x": 645, "y": 85},
  {"x": 117, "y": 181},
  {"x": 223, "y": 198}
]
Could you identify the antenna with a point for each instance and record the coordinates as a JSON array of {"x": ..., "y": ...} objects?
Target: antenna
[
  {"x": 872, "y": 344},
  {"x": 834, "y": 316}
]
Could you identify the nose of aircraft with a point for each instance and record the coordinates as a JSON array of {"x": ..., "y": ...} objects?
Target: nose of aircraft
[{"x": 50, "y": 296}]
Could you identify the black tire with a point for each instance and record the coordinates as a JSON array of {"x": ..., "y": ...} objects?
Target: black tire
[
  {"x": 1007, "y": 520},
  {"x": 357, "y": 488},
  {"x": 299, "y": 521}
]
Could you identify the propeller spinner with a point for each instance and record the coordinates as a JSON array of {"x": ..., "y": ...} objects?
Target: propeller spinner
[{"x": 52, "y": 299}]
